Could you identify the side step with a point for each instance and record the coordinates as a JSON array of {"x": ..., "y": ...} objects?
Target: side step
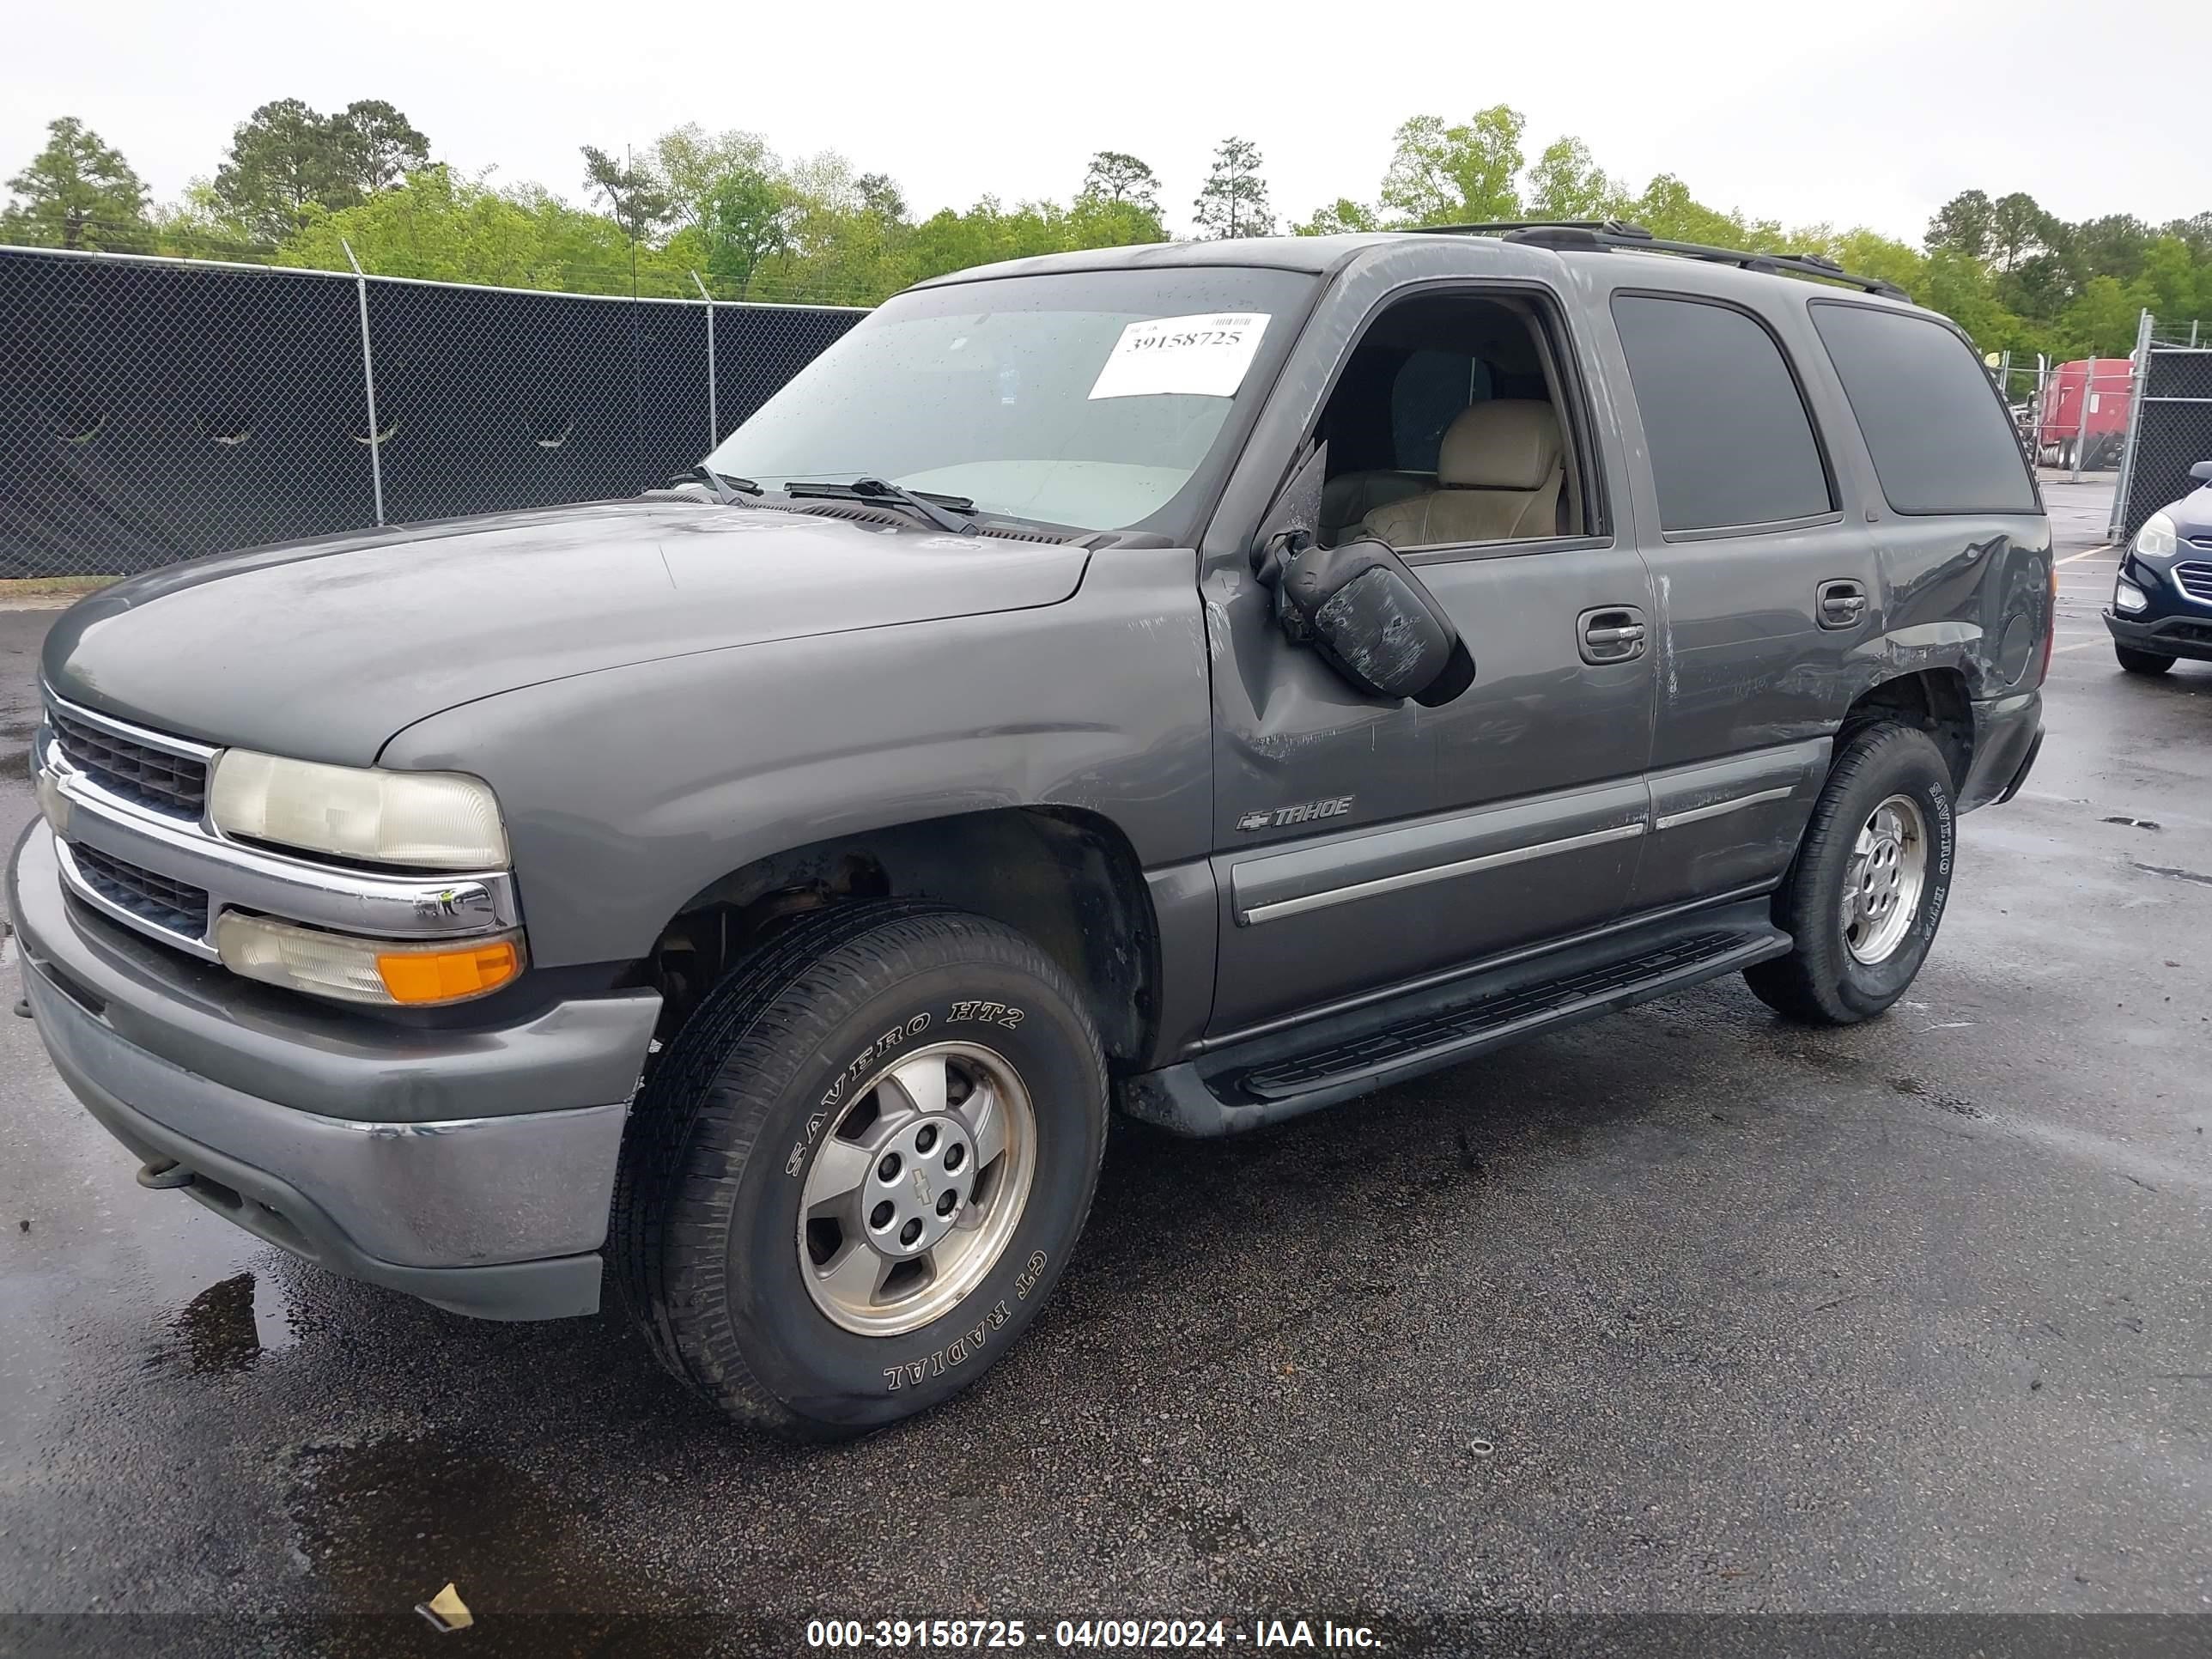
[{"x": 1265, "y": 1079}]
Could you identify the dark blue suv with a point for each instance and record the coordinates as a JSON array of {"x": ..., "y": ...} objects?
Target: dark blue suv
[{"x": 2162, "y": 604}]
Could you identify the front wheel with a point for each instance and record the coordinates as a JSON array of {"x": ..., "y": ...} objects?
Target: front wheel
[
  {"x": 2141, "y": 662},
  {"x": 1864, "y": 897},
  {"x": 859, "y": 1167}
]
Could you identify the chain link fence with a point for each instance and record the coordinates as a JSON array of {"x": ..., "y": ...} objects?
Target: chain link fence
[
  {"x": 2072, "y": 416},
  {"x": 2170, "y": 424},
  {"x": 153, "y": 409}
]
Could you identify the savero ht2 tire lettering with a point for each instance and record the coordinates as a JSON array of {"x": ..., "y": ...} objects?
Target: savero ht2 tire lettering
[
  {"x": 860, "y": 1167},
  {"x": 1865, "y": 895}
]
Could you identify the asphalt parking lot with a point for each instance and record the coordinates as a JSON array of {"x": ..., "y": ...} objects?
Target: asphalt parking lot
[{"x": 1685, "y": 1310}]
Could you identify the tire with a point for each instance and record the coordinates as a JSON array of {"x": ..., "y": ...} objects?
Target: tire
[
  {"x": 776, "y": 1084},
  {"x": 2141, "y": 662},
  {"x": 1827, "y": 978}
]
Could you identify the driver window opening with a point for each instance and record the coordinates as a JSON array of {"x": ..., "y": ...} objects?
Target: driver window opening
[{"x": 1446, "y": 429}]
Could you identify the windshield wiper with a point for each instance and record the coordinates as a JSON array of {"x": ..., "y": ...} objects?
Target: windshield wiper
[
  {"x": 726, "y": 487},
  {"x": 945, "y": 512}
]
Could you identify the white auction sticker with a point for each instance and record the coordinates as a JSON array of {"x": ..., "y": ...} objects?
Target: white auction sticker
[{"x": 1206, "y": 356}]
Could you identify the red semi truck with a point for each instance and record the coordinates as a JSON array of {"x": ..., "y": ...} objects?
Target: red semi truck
[{"x": 2085, "y": 407}]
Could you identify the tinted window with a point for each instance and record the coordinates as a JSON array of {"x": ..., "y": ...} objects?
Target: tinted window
[
  {"x": 1730, "y": 441},
  {"x": 1431, "y": 389},
  {"x": 1940, "y": 441}
]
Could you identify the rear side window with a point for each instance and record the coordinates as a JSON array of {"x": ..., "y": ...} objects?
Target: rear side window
[
  {"x": 1731, "y": 442},
  {"x": 1940, "y": 440}
]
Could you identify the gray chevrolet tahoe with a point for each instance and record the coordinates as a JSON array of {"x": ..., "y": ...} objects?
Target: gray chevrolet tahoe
[{"x": 1218, "y": 680}]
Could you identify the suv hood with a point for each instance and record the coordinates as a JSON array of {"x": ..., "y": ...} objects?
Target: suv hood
[
  {"x": 323, "y": 649},
  {"x": 2192, "y": 514}
]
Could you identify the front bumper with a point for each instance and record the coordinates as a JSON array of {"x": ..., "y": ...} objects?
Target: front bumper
[
  {"x": 472, "y": 1167},
  {"x": 2164, "y": 636}
]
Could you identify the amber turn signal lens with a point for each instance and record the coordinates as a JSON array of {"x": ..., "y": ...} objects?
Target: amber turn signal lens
[{"x": 420, "y": 976}]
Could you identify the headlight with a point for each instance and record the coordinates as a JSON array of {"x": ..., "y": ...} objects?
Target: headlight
[
  {"x": 433, "y": 820},
  {"x": 388, "y": 971},
  {"x": 2127, "y": 597},
  {"x": 2157, "y": 537}
]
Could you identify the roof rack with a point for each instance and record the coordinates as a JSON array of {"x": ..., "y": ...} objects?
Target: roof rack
[{"x": 1599, "y": 234}]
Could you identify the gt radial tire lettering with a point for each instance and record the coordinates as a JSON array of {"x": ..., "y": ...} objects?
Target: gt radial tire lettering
[
  {"x": 955, "y": 1352},
  {"x": 1025, "y": 1281},
  {"x": 868, "y": 1059}
]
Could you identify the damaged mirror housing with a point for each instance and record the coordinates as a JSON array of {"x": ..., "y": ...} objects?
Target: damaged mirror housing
[{"x": 1371, "y": 619}]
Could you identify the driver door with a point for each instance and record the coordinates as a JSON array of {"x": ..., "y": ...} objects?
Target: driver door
[{"x": 1361, "y": 844}]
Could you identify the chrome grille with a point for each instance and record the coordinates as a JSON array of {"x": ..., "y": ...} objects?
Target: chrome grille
[
  {"x": 175, "y": 906},
  {"x": 175, "y": 785},
  {"x": 2194, "y": 578}
]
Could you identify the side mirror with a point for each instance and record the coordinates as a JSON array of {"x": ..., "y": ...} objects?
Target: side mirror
[
  {"x": 1371, "y": 620},
  {"x": 2201, "y": 472}
]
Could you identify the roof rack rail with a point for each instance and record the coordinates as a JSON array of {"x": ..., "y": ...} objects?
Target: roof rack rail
[{"x": 1599, "y": 234}]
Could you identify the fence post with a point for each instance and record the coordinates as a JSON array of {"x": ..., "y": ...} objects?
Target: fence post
[
  {"x": 368, "y": 377},
  {"x": 714, "y": 424},
  {"x": 2081, "y": 417},
  {"x": 2140, "y": 386}
]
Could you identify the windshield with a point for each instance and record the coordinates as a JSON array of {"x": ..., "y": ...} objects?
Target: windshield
[{"x": 1095, "y": 398}]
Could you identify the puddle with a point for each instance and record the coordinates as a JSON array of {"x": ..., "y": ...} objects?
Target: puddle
[
  {"x": 227, "y": 1327},
  {"x": 383, "y": 1524}
]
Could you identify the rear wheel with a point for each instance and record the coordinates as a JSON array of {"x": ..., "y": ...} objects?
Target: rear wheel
[
  {"x": 859, "y": 1169},
  {"x": 1864, "y": 897},
  {"x": 2141, "y": 662}
]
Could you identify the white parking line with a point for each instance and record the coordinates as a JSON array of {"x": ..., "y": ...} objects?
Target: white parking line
[{"x": 2072, "y": 558}]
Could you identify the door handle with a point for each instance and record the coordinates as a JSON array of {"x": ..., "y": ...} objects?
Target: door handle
[
  {"x": 1613, "y": 633},
  {"x": 1842, "y": 604}
]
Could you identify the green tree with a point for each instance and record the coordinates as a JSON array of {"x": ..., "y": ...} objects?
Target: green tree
[
  {"x": 1233, "y": 200},
  {"x": 1963, "y": 226},
  {"x": 1461, "y": 174},
  {"x": 1566, "y": 184},
  {"x": 692, "y": 165},
  {"x": 1337, "y": 218},
  {"x": 2174, "y": 285},
  {"x": 2018, "y": 228},
  {"x": 77, "y": 192},
  {"x": 750, "y": 217},
  {"x": 1116, "y": 177},
  {"x": 879, "y": 194},
  {"x": 279, "y": 167},
  {"x": 2101, "y": 321},
  {"x": 375, "y": 147},
  {"x": 2113, "y": 245},
  {"x": 444, "y": 228},
  {"x": 287, "y": 160},
  {"x": 639, "y": 202},
  {"x": 1668, "y": 210}
]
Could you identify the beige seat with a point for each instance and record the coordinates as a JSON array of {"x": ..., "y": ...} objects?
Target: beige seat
[{"x": 1499, "y": 473}]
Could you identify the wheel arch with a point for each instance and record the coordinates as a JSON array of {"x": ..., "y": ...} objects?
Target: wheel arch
[
  {"x": 1066, "y": 877},
  {"x": 1936, "y": 701}
]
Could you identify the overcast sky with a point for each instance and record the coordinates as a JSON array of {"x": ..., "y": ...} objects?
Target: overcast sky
[{"x": 1873, "y": 113}]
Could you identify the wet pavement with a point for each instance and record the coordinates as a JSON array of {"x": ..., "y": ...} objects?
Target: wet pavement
[{"x": 1688, "y": 1309}]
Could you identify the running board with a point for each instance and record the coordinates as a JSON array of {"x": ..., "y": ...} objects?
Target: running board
[{"x": 1269, "y": 1078}]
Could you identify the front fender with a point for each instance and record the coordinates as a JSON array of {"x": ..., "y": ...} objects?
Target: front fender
[{"x": 628, "y": 790}]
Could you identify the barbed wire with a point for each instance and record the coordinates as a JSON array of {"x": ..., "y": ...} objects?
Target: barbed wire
[{"x": 653, "y": 277}]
